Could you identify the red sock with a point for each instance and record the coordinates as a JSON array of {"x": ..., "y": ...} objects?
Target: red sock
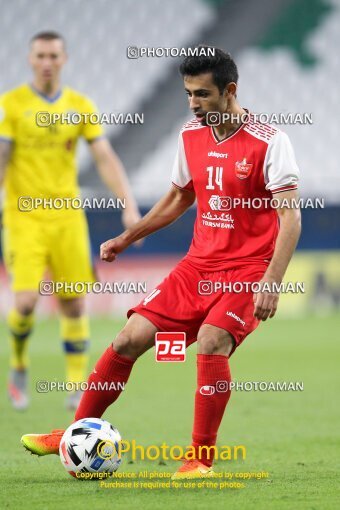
[
  {"x": 110, "y": 368},
  {"x": 209, "y": 408}
]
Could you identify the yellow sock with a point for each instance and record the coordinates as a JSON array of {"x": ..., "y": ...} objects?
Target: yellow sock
[
  {"x": 20, "y": 327},
  {"x": 75, "y": 334}
]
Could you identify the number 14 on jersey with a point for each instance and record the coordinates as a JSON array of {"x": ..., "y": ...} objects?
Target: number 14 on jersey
[{"x": 215, "y": 176}]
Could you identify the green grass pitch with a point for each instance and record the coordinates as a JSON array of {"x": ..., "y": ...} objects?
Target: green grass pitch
[{"x": 292, "y": 435}]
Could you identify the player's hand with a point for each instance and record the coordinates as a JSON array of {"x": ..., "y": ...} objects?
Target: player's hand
[
  {"x": 265, "y": 302},
  {"x": 110, "y": 249},
  {"x": 130, "y": 216}
]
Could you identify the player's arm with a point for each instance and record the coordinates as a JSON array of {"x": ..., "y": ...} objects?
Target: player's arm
[
  {"x": 112, "y": 173},
  {"x": 265, "y": 303},
  {"x": 170, "y": 207},
  {"x": 5, "y": 154},
  {"x": 6, "y": 136}
]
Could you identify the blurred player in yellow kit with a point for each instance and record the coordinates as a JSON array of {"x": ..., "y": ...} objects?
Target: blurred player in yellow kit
[{"x": 39, "y": 162}]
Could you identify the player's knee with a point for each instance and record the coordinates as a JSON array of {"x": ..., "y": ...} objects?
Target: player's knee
[
  {"x": 127, "y": 344},
  {"x": 26, "y": 308},
  {"x": 209, "y": 342},
  {"x": 72, "y": 308},
  {"x": 25, "y": 305}
]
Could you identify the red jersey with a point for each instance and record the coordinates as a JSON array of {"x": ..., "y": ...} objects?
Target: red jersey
[{"x": 255, "y": 162}]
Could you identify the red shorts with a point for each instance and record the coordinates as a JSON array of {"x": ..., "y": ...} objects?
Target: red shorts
[{"x": 183, "y": 303}]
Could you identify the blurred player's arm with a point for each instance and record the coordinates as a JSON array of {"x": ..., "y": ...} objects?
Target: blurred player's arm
[
  {"x": 5, "y": 154},
  {"x": 287, "y": 239},
  {"x": 7, "y": 136},
  {"x": 112, "y": 173},
  {"x": 168, "y": 209}
]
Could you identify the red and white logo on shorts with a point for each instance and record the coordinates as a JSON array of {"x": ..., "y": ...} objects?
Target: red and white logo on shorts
[{"x": 170, "y": 346}]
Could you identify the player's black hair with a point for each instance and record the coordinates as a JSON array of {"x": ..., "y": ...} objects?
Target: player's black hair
[
  {"x": 220, "y": 64},
  {"x": 47, "y": 35}
]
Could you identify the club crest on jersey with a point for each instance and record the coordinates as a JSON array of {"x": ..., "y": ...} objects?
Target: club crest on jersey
[{"x": 243, "y": 169}]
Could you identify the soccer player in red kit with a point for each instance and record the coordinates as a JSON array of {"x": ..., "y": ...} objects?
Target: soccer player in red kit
[{"x": 214, "y": 165}]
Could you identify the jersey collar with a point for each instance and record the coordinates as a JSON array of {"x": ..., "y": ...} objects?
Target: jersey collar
[
  {"x": 47, "y": 98},
  {"x": 218, "y": 141}
]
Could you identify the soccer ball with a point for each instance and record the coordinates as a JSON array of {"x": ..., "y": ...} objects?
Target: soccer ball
[{"x": 90, "y": 445}]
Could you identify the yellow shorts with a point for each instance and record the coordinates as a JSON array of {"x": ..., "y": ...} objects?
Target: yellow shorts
[{"x": 31, "y": 247}]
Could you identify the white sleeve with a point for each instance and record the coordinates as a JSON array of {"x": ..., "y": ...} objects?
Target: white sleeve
[
  {"x": 181, "y": 176},
  {"x": 280, "y": 169}
]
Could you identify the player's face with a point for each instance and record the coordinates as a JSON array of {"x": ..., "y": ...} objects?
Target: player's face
[
  {"x": 47, "y": 59},
  {"x": 204, "y": 96}
]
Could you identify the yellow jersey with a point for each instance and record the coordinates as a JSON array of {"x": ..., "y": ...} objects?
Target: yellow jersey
[{"x": 44, "y": 141}]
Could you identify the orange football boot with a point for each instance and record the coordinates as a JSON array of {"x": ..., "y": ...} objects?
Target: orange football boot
[
  {"x": 43, "y": 444},
  {"x": 192, "y": 469}
]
